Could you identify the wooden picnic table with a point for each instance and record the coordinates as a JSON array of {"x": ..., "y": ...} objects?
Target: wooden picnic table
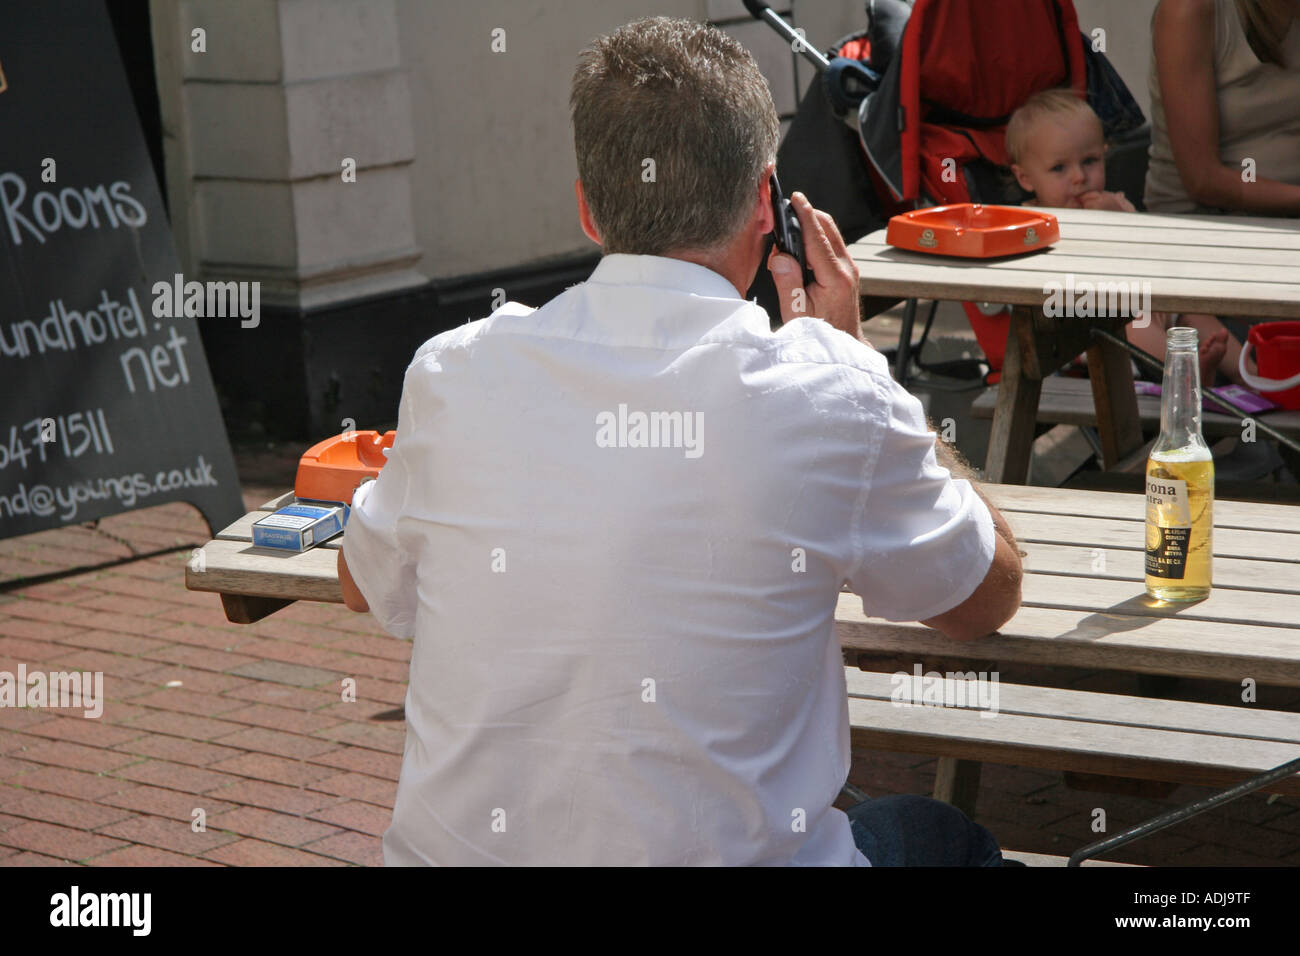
[
  {"x": 1221, "y": 265},
  {"x": 1084, "y": 601},
  {"x": 254, "y": 582},
  {"x": 1084, "y": 606}
]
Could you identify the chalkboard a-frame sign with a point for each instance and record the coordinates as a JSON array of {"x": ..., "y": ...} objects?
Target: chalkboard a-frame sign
[{"x": 103, "y": 406}]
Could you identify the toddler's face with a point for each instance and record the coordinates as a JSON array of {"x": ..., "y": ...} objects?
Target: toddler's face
[{"x": 1065, "y": 159}]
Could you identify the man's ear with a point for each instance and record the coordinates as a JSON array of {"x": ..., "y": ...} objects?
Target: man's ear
[
  {"x": 766, "y": 219},
  {"x": 584, "y": 214}
]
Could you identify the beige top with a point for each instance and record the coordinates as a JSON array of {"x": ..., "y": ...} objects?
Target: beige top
[{"x": 1259, "y": 114}]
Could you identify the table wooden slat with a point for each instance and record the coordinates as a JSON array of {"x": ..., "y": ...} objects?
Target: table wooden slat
[
  {"x": 897, "y": 273},
  {"x": 1120, "y": 533},
  {"x": 1191, "y": 263},
  {"x": 1120, "y": 505},
  {"x": 1123, "y": 564},
  {"x": 1055, "y": 262},
  {"x": 238, "y": 567},
  {"x": 278, "y": 502},
  {"x": 1152, "y": 236},
  {"x": 1210, "y": 254},
  {"x": 1106, "y": 596},
  {"x": 1094, "y": 639},
  {"x": 1196, "y": 224}
]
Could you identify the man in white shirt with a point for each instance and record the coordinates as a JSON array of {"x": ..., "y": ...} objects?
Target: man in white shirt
[{"x": 616, "y": 527}]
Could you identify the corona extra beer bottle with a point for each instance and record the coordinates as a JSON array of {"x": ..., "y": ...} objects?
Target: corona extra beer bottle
[{"x": 1180, "y": 482}]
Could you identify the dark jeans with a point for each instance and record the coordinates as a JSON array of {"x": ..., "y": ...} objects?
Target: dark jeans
[{"x": 919, "y": 831}]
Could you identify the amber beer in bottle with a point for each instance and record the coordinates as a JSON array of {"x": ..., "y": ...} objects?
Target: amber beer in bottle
[{"x": 1180, "y": 482}]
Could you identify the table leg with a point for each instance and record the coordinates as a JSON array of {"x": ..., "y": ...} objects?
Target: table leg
[
  {"x": 958, "y": 782},
  {"x": 1115, "y": 401},
  {"x": 1011, "y": 440},
  {"x": 903, "y": 357},
  {"x": 246, "y": 608}
]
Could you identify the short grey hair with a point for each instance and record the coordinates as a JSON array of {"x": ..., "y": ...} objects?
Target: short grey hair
[{"x": 690, "y": 98}]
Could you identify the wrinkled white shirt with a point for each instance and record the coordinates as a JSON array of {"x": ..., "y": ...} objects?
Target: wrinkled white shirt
[{"x": 625, "y": 654}]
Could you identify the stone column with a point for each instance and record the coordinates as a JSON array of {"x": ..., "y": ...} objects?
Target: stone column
[{"x": 258, "y": 128}]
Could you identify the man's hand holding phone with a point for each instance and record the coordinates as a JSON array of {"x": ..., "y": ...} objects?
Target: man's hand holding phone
[{"x": 834, "y": 296}]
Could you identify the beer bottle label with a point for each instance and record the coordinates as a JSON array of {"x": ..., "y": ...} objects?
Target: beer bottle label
[{"x": 1169, "y": 527}]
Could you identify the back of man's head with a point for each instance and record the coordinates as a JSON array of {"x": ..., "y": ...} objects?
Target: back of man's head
[{"x": 690, "y": 100}]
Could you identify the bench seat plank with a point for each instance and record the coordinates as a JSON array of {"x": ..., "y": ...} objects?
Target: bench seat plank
[
  {"x": 1046, "y": 859},
  {"x": 1060, "y": 744},
  {"x": 1068, "y": 401},
  {"x": 1114, "y": 710}
]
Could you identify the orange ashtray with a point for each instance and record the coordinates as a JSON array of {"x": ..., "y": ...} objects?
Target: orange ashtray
[
  {"x": 973, "y": 230},
  {"x": 332, "y": 469}
]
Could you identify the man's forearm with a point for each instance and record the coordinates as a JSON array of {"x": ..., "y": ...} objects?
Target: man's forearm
[{"x": 352, "y": 596}]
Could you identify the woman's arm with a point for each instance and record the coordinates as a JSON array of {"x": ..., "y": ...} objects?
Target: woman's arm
[{"x": 1183, "y": 38}]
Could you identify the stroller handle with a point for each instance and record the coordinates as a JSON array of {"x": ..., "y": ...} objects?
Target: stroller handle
[{"x": 761, "y": 11}]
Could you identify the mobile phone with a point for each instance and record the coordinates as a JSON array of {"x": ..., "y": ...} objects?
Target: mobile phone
[{"x": 788, "y": 234}]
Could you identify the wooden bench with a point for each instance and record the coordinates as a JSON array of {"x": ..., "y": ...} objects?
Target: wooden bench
[
  {"x": 1046, "y": 859},
  {"x": 1068, "y": 401},
  {"x": 1053, "y": 729},
  {"x": 266, "y": 580}
]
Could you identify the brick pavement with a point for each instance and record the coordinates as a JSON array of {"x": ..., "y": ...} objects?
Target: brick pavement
[
  {"x": 244, "y": 723},
  {"x": 247, "y": 724}
]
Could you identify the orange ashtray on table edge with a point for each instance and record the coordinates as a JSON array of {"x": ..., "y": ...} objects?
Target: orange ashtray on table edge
[
  {"x": 331, "y": 470},
  {"x": 973, "y": 230}
]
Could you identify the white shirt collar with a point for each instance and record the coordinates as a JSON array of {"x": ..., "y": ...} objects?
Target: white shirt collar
[{"x": 664, "y": 272}]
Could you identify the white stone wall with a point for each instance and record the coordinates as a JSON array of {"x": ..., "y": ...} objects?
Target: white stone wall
[
  {"x": 465, "y": 155},
  {"x": 494, "y": 167},
  {"x": 257, "y": 126},
  {"x": 1128, "y": 39}
]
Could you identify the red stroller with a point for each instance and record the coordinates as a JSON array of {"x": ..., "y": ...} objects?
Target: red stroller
[{"x": 928, "y": 89}]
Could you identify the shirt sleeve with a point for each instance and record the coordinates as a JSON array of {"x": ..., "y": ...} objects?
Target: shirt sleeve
[
  {"x": 924, "y": 541},
  {"x": 380, "y": 555}
]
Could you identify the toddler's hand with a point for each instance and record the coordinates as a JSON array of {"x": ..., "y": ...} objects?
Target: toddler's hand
[{"x": 1099, "y": 199}]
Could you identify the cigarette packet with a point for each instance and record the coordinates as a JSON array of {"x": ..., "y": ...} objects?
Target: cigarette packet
[{"x": 299, "y": 526}]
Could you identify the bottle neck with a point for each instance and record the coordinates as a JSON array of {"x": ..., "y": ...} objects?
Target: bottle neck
[{"x": 1180, "y": 405}]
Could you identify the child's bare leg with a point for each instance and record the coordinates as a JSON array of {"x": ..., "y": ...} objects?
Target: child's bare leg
[
  {"x": 1208, "y": 326},
  {"x": 1150, "y": 338}
]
